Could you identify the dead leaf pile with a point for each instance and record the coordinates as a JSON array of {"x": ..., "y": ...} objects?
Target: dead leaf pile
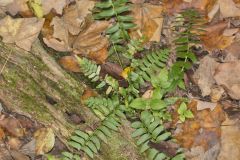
[{"x": 204, "y": 131}]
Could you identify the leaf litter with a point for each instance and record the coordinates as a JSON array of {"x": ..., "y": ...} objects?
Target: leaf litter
[{"x": 67, "y": 26}]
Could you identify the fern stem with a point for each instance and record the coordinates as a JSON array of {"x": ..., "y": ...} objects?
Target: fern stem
[{"x": 118, "y": 56}]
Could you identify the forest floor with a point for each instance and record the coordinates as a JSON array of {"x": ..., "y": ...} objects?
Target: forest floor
[{"x": 66, "y": 29}]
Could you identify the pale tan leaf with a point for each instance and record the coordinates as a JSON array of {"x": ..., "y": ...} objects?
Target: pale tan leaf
[
  {"x": 149, "y": 21},
  {"x": 204, "y": 75},
  {"x": 91, "y": 43},
  {"x": 21, "y": 31},
  {"x": 19, "y": 6},
  {"x": 56, "y": 5},
  {"x": 74, "y": 16},
  {"x": 228, "y": 8},
  {"x": 59, "y": 39},
  {"x": 5, "y": 2},
  {"x": 45, "y": 140},
  {"x": 227, "y": 75},
  {"x": 214, "y": 38}
]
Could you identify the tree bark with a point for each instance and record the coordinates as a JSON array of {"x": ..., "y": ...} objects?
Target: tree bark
[{"x": 29, "y": 79}]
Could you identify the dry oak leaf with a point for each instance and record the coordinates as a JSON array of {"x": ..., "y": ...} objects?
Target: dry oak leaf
[
  {"x": 91, "y": 43},
  {"x": 204, "y": 130},
  {"x": 148, "y": 19},
  {"x": 59, "y": 40},
  {"x": 21, "y": 31},
  {"x": 214, "y": 38},
  {"x": 19, "y": 6},
  {"x": 204, "y": 75},
  {"x": 69, "y": 63},
  {"x": 74, "y": 15},
  {"x": 228, "y": 8},
  {"x": 5, "y": 2},
  {"x": 45, "y": 140},
  {"x": 12, "y": 126},
  {"x": 56, "y": 5},
  {"x": 228, "y": 76},
  {"x": 175, "y": 6},
  {"x": 230, "y": 141},
  {"x": 232, "y": 52}
]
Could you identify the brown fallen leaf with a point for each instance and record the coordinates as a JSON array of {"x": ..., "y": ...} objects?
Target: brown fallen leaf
[
  {"x": 111, "y": 69},
  {"x": 91, "y": 43},
  {"x": 148, "y": 19},
  {"x": 216, "y": 94},
  {"x": 230, "y": 141},
  {"x": 56, "y": 5},
  {"x": 21, "y": 31},
  {"x": 2, "y": 134},
  {"x": 19, "y": 6},
  {"x": 175, "y": 6},
  {"x": 88, "y": 92},
  {"x": 74, "y": 15},
  {"x": 14, "y": 143},
  {"x": 227, "y": 75},
  {"x": 232, "y": 52},
  {"x": 214, "y": 38},
  {"x": 4, "y": 152},
  {"x": 45, "y": 140},
  {"x": 204, "y": 75},
  {"x": 18, "y": 155},
  {"x": 11, "y": 126},
  {"x": 228, "y": 8},
  {"x": 4, "y": 3},
  {"x": 69, "y": 63},
  {"x": 204, "y": 130},
  {"x": 59, "y": 40}
]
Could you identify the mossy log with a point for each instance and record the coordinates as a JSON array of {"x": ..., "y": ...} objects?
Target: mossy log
[{"x": 29, "y": 79}]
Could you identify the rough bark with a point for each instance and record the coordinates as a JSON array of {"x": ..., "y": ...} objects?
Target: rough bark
[{"x": 29, "y": 79}]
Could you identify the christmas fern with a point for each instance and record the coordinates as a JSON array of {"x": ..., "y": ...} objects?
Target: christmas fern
[
  {"x": 90, "y": 142},
  {"x": 147, "y": 129},
  {"x": 118, "y": 32},
  {"x": 189, "y": 26},
  {"x": 91, "y": 70}
]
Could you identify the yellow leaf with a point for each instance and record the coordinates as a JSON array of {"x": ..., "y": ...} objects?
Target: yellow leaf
[
  {"x": 126, "y": 71},
  {"x": 36, "y": 6}
]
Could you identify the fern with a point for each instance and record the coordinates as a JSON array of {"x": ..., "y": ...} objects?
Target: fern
[
  {"x": 189, "y": 24},
  {"x": 151, "y": 69},
  {"x": 144, "y": 69},
  {"x": 149, "y": 129},
  {"x": 118, "y": 32},
  {"x": 133, "y": 47},
  {"x": 91, "y": 70},
  {"x": 102, "y": 107},
  {"x": 90, "y": 143}
]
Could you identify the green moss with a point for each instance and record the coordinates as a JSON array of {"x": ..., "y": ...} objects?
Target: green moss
[
  {"x": 32, "y": 106},
  {"x": 118, "y": 149}
]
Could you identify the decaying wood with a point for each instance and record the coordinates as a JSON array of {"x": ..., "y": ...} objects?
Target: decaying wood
[{"x": 29, "y": 79}]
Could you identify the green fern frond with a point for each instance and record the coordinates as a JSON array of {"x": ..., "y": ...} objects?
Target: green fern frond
[
  {"x": 102, "y": 107},
  {"x": 118, "y": 32},
  {"x": 90, "y": 143},
  {"x": 149, "y": 129},
  {"x": 133, "y": 47},
  {"x": 150, "y": 65},
  {"x": 70, "y": 156},
  {"x": 189, "y": 23},
  {"x": 91, "y": 70}
]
